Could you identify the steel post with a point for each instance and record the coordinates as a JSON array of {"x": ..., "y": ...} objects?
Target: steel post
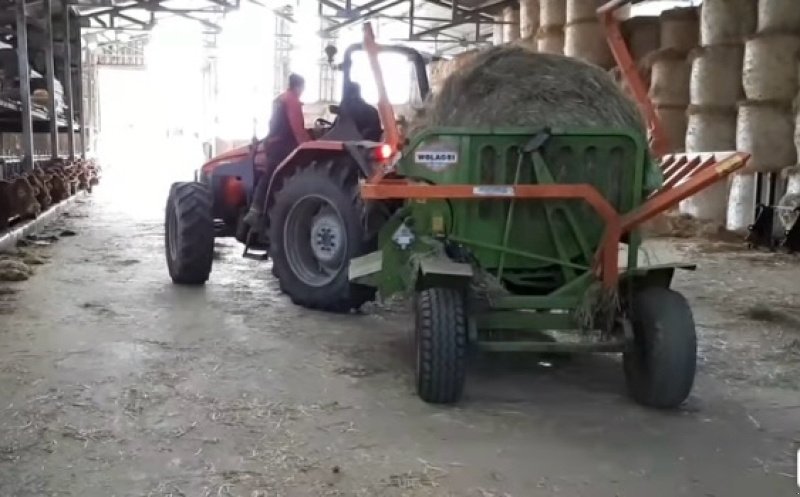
[
  {"x": 24, "y": 85},
  {"x": 68, "y": 80},
  {"x": 51, "y": 78},
  {"x": 81, "y": 103}
]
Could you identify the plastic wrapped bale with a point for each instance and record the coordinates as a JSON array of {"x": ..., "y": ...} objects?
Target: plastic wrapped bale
[
  {"x": 741, "y": 203},
  {"x": 778, "y": 15},
  {"x": 679, "y": 29},
  {"x": 673, "y": 122},
  {"x": 550, "y": 39},
  {"x": 528, "y": 18},
  {"x": 642, "y": 35},
  {"x": 585, "y": 40},
  {"x": 727, "y": 21},
  {"x": 669, "y": 77},
  {"x": 765, "y": 130},
  {"x": 552, "y": 12},
  {"x": 770, "y": 66},
  {"x": 514, "y": 86},
  {"x": 582, "y": 10},
  {"x": 716, "y": 76}
]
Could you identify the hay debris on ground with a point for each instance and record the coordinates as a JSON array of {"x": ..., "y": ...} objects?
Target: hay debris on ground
[{"x": 14, "y": 270}]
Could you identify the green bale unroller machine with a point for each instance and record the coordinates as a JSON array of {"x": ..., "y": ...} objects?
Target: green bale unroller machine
[{"x": 507, "y": 240}]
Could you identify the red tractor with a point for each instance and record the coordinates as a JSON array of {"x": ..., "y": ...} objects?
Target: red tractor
[{"x": 313, "y": 209}]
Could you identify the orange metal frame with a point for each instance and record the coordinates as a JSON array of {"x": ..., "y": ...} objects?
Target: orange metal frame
[{"x": 659, "y": 143}]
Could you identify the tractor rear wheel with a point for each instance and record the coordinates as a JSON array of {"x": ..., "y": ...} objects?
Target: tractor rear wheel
[
  {"x": 316, "y": 226},
  {"x": 440, "y": 336},
  {"x": 189, "y": 233},
  {"x": 661, "y": 361}
]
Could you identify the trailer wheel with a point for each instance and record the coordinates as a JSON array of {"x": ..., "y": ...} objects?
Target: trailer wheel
[
  {"x": 660, "y": 363},
  {"x": 440, "y": 336},
  {"x": 189, "y": 233},
  {"x": 316, "y": 227}
]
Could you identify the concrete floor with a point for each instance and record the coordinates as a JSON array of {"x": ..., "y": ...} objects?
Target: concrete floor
[{"x": 114, "y": 382}]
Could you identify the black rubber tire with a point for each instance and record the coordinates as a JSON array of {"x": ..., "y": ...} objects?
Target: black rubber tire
[
  {"x": 189, "y": 233},
  {"x": 337, "y": 183},
  {"x": 661, "y": 362},
  {"x": 440, "y": 336}
]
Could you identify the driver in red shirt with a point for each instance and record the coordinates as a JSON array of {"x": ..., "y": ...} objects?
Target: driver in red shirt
[{"x": 286, "y": 131}]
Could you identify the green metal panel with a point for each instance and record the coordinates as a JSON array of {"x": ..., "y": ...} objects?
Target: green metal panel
[{"x": 538, "y": 246}]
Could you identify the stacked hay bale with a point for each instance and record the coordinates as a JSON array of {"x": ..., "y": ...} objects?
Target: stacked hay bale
[
  {"x": 528, "y": 21},
  {"x": 584, "y": 36},
  {"x": 510, "y": 24},
  {"x": 669, "y": 92},
  {"x": 552, "y": 16},
  {"x": 765, "y": 120},
  {"x": 715, "y": 88}
]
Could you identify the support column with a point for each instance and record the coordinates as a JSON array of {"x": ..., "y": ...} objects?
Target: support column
[
  {"x": 24, "y": 86},
  {"x": 51, "y": 79},
  {"x": 81, "y": 103},
  {"x": 68, "y": 80}
]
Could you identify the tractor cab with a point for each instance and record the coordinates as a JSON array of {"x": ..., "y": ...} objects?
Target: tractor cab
[{"x": 344, "y": 127}]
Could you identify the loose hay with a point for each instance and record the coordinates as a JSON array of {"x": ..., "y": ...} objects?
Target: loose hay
[{"x": 14, "y": 270}]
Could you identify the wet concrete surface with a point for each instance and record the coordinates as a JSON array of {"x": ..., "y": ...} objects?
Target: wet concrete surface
[{"x": 114, "y": 382}]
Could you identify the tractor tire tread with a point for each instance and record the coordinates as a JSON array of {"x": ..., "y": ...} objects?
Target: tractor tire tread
[
  {"x": 660, "y": 369},
  {"x": 441, "y": 342},
  {"x": 191, "y": 204}
]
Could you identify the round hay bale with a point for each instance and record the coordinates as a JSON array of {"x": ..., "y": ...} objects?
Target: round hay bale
[
  {"x": 679, "y": 29},
  {"x": 710, "y": 129},
  {"x": 770, "y": 67},
  {"x": 552, "y": 12},
  {"x": 642, "y": 35},
  {"x": 550, "y": 39},
  {"x": 669, "y": 77},
  {"x": 582, "y": 10},
  {"x": 528, "y": 18},
  {"x": 586, "y": 40},
  {"x": 497, "y": 31},
  {"x": 765, "y": 130},
  {"x": 511, "y": 26},
  {"x": 715, "y": 77},
  {"x": 726, "y": 21},
  {"x": 673, "y": 122},
  {"x": 741, "y": 202},
  {"x": 797, "y": 130},
  {"x": 778, "y": 15},
  {"x": 514, "y": 86},
  {"x": 792, "y": 177}
]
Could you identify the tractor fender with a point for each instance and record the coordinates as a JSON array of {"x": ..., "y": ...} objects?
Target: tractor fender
[
  {"x": 308, "y": 152},
  {"x": 438, "y": 270},
  {"x": 659, "y": 275}
]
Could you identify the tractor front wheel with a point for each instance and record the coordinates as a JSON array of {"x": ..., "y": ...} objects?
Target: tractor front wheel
[
  {"x": 316, "y": 227},
  {"x": 189, "y": 233},
  {"x": 661, "y": 360},
  {"x": 440, "y": 336}
]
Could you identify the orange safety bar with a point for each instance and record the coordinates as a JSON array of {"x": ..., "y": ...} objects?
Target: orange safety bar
[
  {"x": 391, "y": 135},
  {"x": 606, "y": 264},
  {"x": 658, "y": 138}
]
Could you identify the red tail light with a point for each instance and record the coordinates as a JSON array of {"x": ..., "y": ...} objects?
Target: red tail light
[{"x": 383, "y": 152}]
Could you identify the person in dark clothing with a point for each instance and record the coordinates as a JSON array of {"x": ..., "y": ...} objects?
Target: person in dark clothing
[
  {"x": 286, "y": 132},
  {"x": 365, "y": 116}
]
